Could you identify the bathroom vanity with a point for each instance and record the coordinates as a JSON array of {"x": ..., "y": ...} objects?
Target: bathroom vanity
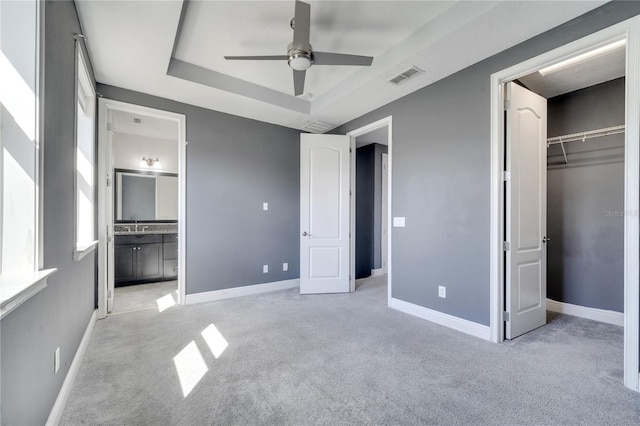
[
  {"x": 145, "y": 257},
  {"x": 146, "y": 228}
]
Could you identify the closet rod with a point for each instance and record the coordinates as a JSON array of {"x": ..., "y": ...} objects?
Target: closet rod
[{"x": 582, "y": 136}]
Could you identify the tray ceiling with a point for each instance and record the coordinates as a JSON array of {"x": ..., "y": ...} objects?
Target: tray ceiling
[{"x": 145, "y": 46}]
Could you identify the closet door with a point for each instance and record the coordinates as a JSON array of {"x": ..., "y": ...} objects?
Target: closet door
[{"x": 526, "y": 216}]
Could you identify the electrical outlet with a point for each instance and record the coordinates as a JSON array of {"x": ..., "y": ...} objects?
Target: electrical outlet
[
  {"x": 265, "y": 206},
  {"x": 56, "y": 360},
  {"x": 285, "y": 266},
  {"x": 265, "y": 269},
  {"x": 442, "y": 291}
]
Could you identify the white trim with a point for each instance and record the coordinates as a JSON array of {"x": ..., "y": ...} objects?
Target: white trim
[
  {"x": 58, "y": 407},
  {"x": 629, "y": 29},
  {"x": 377, "y": 272},
  {"x": 105, "y": 107},
  {"x": 16, "y": 290},
  {"x": 388, "y": 122},
  {"x": 632, "y": 206},
  {"x": 229, "y": 293},
  {"x": 83, "y": 250},
  {"x": 595, "y": 314},
  {"x": 440, "y": 318}
]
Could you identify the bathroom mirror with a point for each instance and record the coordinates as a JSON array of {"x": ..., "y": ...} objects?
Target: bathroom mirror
[{"x": 145, "y": 196}]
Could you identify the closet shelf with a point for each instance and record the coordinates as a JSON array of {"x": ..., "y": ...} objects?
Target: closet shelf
[{"x": 583, "y": 136}]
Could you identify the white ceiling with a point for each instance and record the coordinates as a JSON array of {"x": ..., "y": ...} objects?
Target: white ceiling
[
  {"x": 151, "y": 127},
  {"x": 131, "y": 44},
  {"x": 597, "y": 70}
]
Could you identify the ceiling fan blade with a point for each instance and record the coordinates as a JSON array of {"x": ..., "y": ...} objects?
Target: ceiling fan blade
[
  {"x": 302, "y": 23},
  {"x": 325, "y": 58},
  {"x": 257, "y": 58},
  {"x": 298, "y": 82}
]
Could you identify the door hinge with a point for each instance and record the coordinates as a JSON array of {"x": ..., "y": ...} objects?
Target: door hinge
[
  {"x": 506, "y": 175},
  {"x": 506, "y": 246},
  {"x": 350, "y": 150},
  {"x": 108, "y": 294},
  {"x": 108, "y": 181},
  {"x": 507, "y": 104},
  {"x": 109, "y": 127},
  {"x": 505, "y": 316}
]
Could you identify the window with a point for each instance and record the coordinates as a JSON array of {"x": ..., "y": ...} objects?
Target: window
[
  {"x": 20, "y": 274},
  {"x": 85, "y": 211}
]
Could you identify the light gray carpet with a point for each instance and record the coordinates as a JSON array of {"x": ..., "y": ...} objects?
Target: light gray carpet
[
  {"x": 142, "y": 296},
  {"x": 346, "y": 359}
]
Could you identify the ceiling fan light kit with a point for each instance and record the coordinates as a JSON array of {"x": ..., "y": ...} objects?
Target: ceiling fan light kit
[
  {"x": 300, "y": 55},
  {"x": 299, "y": 60}
]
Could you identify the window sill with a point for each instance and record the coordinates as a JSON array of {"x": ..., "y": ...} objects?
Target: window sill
[
  {"x": 84, "y": 249},
  {"x": 17, "y": 289}
]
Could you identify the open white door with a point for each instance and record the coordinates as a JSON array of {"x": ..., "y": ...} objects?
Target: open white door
[
  {"x": 109, "y": 213},
  {"x": 324, "y": 213},
  {"x": 526, "y": 214}
]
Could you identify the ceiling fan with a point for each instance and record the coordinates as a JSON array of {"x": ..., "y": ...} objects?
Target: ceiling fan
[{"x": 301, "y": 56}]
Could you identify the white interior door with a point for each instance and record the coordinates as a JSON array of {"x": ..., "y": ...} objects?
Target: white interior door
[
  {"x": 526, "y": 217},
  {"x": 324, "y": 213},
  {"x": 109, "y": 219}
]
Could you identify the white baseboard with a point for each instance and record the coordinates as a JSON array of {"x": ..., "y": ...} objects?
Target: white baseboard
[
  {"x": 58, "y": 407},
  {"x": 377, "y": 272},
  {"x": 228, "y": 293},
  {"x": 602, "y": 315},
  {"x": 459, "y": 324}
]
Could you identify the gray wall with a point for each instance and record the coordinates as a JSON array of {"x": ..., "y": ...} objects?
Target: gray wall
[
  {"x": 368, "y": 208},
  {"x": 234, "y": 165},
  {"x": 586, "y": 200},
  {"x": 365, "y": 164},
  {"x": 59, "y": 314},
  {"x": 441, "y": 171}
]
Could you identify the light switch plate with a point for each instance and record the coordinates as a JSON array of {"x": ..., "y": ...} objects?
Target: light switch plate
[
  {"x": 398, "y": 222},
  {"x": 265, "y": 269},
  {"x": 265, "y": 206},
  {"x": 285, "y": 266},
  {"x": 442, "y": 291}
]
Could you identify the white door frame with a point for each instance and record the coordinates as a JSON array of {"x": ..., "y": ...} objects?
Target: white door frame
[
  {"x": 629, "y": 30},
  {"x": 387, "y": 121},
  {"x": 105, "y": 230}
]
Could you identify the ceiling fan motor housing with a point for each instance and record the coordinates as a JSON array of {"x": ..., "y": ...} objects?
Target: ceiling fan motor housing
[{"x": 299, "y": 59}]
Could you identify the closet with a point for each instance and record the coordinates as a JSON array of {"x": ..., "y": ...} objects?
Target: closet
[{"x": 585, "y": 197}]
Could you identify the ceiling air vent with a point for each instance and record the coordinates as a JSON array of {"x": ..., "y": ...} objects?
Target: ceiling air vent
[
  {"x": 406, "y": 75},
  {"x": 318, "y": 127},
  {"x": 137, "y": 120}
]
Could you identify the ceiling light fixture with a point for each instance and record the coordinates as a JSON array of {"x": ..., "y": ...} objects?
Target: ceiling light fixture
[
  {"x": 582, "y": 58},
  {"x": 150, "y": 162},
  {"x": 299, "y": 60}
]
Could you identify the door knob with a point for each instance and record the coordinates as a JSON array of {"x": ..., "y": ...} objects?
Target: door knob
[
  {"x": 545, "y": 239},
  {"x": 305, "y": 234}
]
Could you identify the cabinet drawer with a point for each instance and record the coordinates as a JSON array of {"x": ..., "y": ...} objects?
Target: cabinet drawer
[
  {"x": 170, "y": 238},
  {"x": 171, "y": 268},
  {"x": 170, "y": 250},
  {"x": 138, "y": 239}
]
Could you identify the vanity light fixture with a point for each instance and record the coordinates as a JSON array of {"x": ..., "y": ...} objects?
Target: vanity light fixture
[{"x": 150, "y": 162}]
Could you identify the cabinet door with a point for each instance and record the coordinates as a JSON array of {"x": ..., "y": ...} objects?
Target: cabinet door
[
  {"x": 150, "y": 261},
  {"x": 170, "y": 269},
  {"x": 125, "y": 263}
]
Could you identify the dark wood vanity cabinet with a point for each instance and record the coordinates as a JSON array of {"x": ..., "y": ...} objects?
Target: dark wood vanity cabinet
[
  {"x": 143, "y": 258},
  {"x": 170, "y": 256}
]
